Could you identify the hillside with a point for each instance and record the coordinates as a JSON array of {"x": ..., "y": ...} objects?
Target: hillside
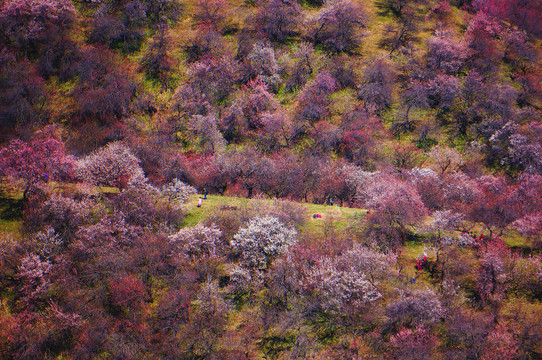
[{"x": 270, "y": 179}]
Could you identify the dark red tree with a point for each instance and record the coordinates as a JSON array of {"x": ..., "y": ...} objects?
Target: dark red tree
[
  {"x": 110, "y": 30},
  {"x": 525, "y": 14},
  {"x": 376, "y": 88},
  {"x": 103, "y": 92},
  {"x": 127, "y": 292},
  {"x": 213, "y": 78},
  {"x": 22, "y": 94},
  {"x": 482, "y": 39},
  {"x": 207, "y": 43},
  {"x": 315, "y": 98},
  {"x": 211, "y": 13},
  {"x": 29, "y": 24},
  {"x": 281, "y": 176}
]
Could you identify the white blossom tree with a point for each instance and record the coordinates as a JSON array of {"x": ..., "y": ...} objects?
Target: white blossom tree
[
  {"x": 197, "y": 241},
  {"x": 48, "y": 241},
  {"x": 240, "y": 280},
  {"x": 445, "y": 158},
  {"x": 65, "y": 214},
  {"x": 33, "y": 274},
  {"x": 264, "y": 64},
  {"x": 263, "y": 239},
  {"x": 374, "y": 264},
  {"x": 177, "y": 192},
  {"x": 447, "y": 221},
  {"x": 337, "y": 287}
]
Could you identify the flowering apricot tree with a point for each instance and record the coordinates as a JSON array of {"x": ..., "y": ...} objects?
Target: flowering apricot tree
[
  {"x": 263, "y": 239},
  {"x": 37, "y": 161}
]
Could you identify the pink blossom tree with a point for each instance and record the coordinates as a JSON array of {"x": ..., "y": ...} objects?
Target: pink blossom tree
[
  {"x": 113, "y": 165},
  {"x": 445, "y": 158},
  {"x": 376, "y": 88},
  {"x": 278, "y": 20},
  {"x": 529, "y": 225},
  {"x": 396, "y": 204},
  {"x": 417, "y": 344},
  {"x": 35, "y": 162},
  {"x": 445, "y": 53},
  {"x": 315, "y": 98},
  {"x": 211, "y": 13}
]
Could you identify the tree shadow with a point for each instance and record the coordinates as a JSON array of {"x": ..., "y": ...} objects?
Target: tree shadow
[{"x": 11, "y": 209}]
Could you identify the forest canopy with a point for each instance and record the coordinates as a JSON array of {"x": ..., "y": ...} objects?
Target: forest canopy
[{"x": 270, "y": 179}]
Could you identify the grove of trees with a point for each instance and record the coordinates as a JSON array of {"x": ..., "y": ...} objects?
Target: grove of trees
[{"x": 387, "y": 156}]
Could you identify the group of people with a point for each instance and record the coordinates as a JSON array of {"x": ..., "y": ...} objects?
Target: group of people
[
  {"x": 480, "y": 238},
  {"x": 420, "y": 263}
]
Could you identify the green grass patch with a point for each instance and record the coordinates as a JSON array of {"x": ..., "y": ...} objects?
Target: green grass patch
[
  {"x": 13, "y": 227},
  {"x": 412, "y": 251},
  {"x": 194, "y": 215},
  {"x": 272, "y": 345},
  {"x": 340, "y": 217}
]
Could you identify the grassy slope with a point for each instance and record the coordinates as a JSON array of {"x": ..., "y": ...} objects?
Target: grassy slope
[{"x": 341, "y": 214}]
